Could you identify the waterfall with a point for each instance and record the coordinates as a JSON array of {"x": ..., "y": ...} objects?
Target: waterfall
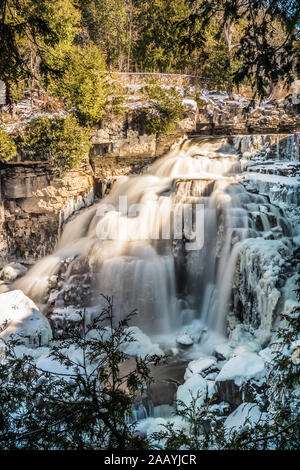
[{"x": 166, "y": 241}]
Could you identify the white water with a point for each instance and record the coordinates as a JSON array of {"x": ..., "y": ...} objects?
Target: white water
[{"x": 134, "y": 259}]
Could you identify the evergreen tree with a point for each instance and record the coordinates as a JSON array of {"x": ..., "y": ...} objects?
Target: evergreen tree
[
  {"x": 266, "y": 57},
  {"x": 27, "y": 29},
  {"x": 107, "y": 23},
  {"x": 159, "y": 47},
  {"x": 81, "y": 403},
  {"x": 83, "y": 83}
]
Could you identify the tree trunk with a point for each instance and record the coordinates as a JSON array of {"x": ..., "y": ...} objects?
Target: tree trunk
[{"x": 228, "y": 32}]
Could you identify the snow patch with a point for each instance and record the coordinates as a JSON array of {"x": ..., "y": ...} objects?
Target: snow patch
[
  {"x": 20, "y": 319},
  {"x": 246, "y": 416},
  {"x": 194, "y": 388},
  {"x": 242, "y": 368},
  {"x": 198, "y": 366},
  {"x": 142, "y": 344}
]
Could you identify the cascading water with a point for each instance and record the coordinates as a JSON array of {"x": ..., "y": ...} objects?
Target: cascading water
[{"x": 137, "y": 241}]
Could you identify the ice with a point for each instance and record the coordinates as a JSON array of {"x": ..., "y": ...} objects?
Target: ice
[
  {"x": 259, "y": 266},
  {"x": 191, "y": 103}
]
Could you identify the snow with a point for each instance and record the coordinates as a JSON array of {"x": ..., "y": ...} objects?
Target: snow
[
  {"x": 151, "y": 425},
  {"x": 21, "y": 319},
  {"x": 74, "y": 354},
  {"x": 242, "y": 368},
  {"x": 245, "y": 346},
  {"x": 222, "y": 351},
  {"x": 185, "y": 339},
  {"x": 194, "y": 388},
  {"x": 191, "y": 103},
  {"x": 142, "y": 344},
  {"x": 198, "y": 366},
  {"x": 247, "y": 415},
  {"x": 267, "y": 354},
  {"x": 48, "y": 364}
]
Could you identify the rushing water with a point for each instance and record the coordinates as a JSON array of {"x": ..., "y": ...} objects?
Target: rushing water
[{"x": 171, "y": 261}]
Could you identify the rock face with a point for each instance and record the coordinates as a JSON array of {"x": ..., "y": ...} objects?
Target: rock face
[
  {"x": 224, "y": 115},
  {"x": 35, "y": 202},
  {"x": 122, "y": 146},
  {"x": 229, "y": 392},
  {"x": 20, "y": 319}
]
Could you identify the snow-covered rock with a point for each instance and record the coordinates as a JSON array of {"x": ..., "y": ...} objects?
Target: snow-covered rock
[
  {"x": 199, "y": 366},
  {"x": 48, "y": 364},
  {"x": 190, "y": 104},
  {"x": 194, "y": 388},
  {"x": 185, "y": 339},
  {"x": 246, "y": 416},
  {"x": 21, "y": 319},
  {"x": 242, "y": 368},
  {"x": 149, "y": 426},
  {"x": 142, "y": 344},
  {"x": 12, "y": 271},
  {"x": 222, "y": 351},
  {"x": 78, "y": 364}
]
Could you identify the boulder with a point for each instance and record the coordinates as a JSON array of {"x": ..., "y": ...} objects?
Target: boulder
[
  {"x": 245, "y": 417},
  {"x": 12, "y": 271},
  {"x": 236, "y": 372},
  {"x": 222, "y": 351},
  {"x": 195, "y": 387},
  {"x": 230, "y": 393},
  {"x": 185, "y": 340},
  {"x": 242, "y": 368},
  {"x": 20, "y": 319},
  {"x": 200, "y": 366}
]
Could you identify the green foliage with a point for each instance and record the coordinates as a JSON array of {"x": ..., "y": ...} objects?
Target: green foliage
[
  {"x": 166, "y": 108},
  {"x": 196, "y": 436},
  {"x": 216, "y": 63},
  {"x": 266, "y": 48},
  {"x": 158, "y": 47},
  {"x": 196, "y": 95},
  {"x": 60, "y": 141},
  {"x": 83, "y": 84},
  {"x": 27, "y": 29},
  {"x": 108, "y": 26},
  {"x": 86, "y": 403},
  {"x": 8, "y": 147}
]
